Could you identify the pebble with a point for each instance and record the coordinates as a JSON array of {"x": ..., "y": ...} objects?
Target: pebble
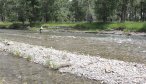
[{"x": 93, "y": 67}]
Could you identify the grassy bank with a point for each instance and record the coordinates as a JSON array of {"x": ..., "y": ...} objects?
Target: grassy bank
[
  {"x": 61, "y": 24},
  {"x": 96, "y": 26},
  {"x": 126, "y": 26},
  {"x": 5, "y": 24},
  {"x": 13, "y": 25}
]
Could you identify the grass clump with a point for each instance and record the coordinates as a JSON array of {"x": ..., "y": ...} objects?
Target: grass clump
[
  {"x": 29, "y": 58},
  {"x": 50, "y": 64},
  {"x": 16, "y": 54}
]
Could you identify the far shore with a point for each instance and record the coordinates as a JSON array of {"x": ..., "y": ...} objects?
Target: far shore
[{"x": 129, "y": 28}]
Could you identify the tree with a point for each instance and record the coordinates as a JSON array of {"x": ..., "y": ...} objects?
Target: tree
[
  {"x": 105, "y": 9},
  {"x": 22, "y": 11},
  {"x": 72, "y": 10},
  {"x": 124, "y": 10},
  {"x": 33, "y": 10},
  {"x": 48, "y": 10},
  {"x": 2, "y": 10},
  {"x": 63, "y": 13},
  {"x": 88, "y": 6},
  {"x": 77, "y": 10}
]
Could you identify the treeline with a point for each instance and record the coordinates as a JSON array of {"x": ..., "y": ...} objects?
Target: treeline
[{"x": 72, "y": 10}]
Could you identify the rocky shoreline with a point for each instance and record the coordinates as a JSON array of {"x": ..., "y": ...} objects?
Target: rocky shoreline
[
  {"x": 116, "y": 32},
  {"x": 106, "y": 70}
]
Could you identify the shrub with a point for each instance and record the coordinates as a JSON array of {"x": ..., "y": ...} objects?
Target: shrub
[{"x": 18, "y": 26}]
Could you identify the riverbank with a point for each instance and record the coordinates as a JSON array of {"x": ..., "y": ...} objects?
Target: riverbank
[
  {"x": 108, "y": 71},
  {"x": 14, "y": 70},
  {"x": 94, "y": 27},
  {"x": 125, "y": 26}
]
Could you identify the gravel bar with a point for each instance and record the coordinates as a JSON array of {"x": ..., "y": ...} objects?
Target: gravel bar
[{"x": 106, "y": 70}]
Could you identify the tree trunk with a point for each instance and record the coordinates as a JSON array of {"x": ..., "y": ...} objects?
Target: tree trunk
[
  {"x": 124, "y": 10},
  {"x": 142, "y": 11},
  {"x": 135, "y": 14}
]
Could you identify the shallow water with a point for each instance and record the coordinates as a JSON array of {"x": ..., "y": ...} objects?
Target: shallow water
[
  {"x": 15, "y": 70},
  {"x": 121, "y": 47}
]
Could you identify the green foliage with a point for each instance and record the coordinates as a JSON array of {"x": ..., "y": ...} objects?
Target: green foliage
[
  {"x": 38, "y": 12},
  {"x": 126, "y": 26},
  {"x": 105, "y": 9},
  {"x": 77, "y": 10},
  {"x": 60, "y": 24},
  {"x": 18, "y": 26},
  {"x": 15, "y": 25},
  {"x": 5, "y": 24},
  {"x": 66, "y": 10},
  {"x": 96, "y": 26}
]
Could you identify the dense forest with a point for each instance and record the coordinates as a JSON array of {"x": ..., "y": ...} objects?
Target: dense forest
[{"x": 72, "y": 10}]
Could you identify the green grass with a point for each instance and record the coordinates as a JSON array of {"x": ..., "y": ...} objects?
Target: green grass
[
  {"x": 50, "y": 64},
  {"x": 5, "y": 24},
  {"x": 16, "y": 54},
  {"x": 52, "y": 24},
  {"x": 13, "y": 25},
  {"x": 37, "y": 26},
  {"x": 29, "y": 58},
  {"x": 90, "y": 27},
  {"x": 126, "y": 26},
  {"x": 60, "y": 24}
]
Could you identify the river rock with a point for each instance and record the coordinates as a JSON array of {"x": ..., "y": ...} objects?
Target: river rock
[
  {"x": 108, "y": 69},
  {"x": 62, "y": 65},
  {"x": 8, "y": 42}
]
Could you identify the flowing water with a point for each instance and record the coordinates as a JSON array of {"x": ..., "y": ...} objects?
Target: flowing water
[
  {"x": 15, "y": 70},
  {"x": 121, "y": 47}
]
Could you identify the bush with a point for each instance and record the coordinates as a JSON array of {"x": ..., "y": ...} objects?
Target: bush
[
  {"x": 5, "y": 25},
  {"x": 18, "y": 26},
  {"x": 126, "y": 26}
]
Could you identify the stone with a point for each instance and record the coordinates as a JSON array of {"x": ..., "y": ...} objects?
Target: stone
[
  {"x": 108, "y": 69},
  {"x": 62, "y": 65},
  {"x": 8, "y": 42}
]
